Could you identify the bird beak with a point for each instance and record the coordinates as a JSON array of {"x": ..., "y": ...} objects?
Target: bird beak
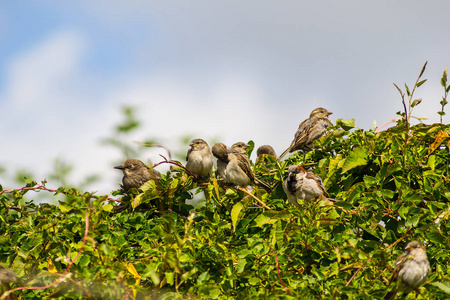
[
  {"x": 246, "y": 146},
  {"x": 119, "y": 167},
  {"x": 329, "y": 113},
  {"x": 192, "y": 144}
]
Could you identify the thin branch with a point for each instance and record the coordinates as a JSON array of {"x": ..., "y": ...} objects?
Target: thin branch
[
  {"x": 155, "y": 145},
  {"x": 278, "y": 273},
  {"x": 353, "y": 276},
  {"x": 44, "y": 188},
  {"x": 171, "y": 162},
  {"x": 254, "y": 197}
]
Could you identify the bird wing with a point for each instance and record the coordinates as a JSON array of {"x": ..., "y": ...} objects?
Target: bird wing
[
  {"x": 244, "y": 164},
  {"x": 188, "y": 153},
  {"x": 316, "y": 178}
]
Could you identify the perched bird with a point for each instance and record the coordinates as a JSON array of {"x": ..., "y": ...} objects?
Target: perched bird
[
  {"x": 199, "y": 158},
  {"x": 263, "y": 151},
  {"x": 302, "y": 185},
  {"x": 7, "y": 276},
  {"x": 310, "y": 130},
  {"x": 240, "y": 147},
  {"x": 220, "y": 151},
  {"x": 234, "y": 166},
  {"x": 412, "y": 267},
  {"x": 136, "y": 173},
  {"x": 239, "y": 170}
]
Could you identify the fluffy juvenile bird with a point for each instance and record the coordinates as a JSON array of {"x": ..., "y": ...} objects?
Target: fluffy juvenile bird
[
  {"x": 263, "y": 151},
  {"x": 199, "y": 158},
  {"x": 220, "y": 151},
  {"x": 411, "y": 270},
  {"x": 310, "y": 130},
  {"x": 136, "y": 173},
  {"x": 302, "y": 185}
]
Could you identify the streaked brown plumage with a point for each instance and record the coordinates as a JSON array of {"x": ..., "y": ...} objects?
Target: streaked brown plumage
[
  {"x": 302, "y": 185},
  {"x": 136, "y": 173},
  {"x": 411, "y": 270},
  {"x": 199, "y": 158},
  {"x": 310, "y": 130}
]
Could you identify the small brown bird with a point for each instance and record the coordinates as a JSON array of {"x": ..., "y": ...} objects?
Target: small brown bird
[
  {"x": 7, "y": 276},
  {"x": 199, "y": 158},
  {"x": 220, "y": 151},
  {"x": 411, "y": 270},
  {"x": 239, "y": 170},
  {"x": 240, "y": 147},
  {"x": 302, "y": 185},
  {"x": 310, "y": 130},
  {"x": 136, "y": 173},
  {"x": 264, "y": 151}
]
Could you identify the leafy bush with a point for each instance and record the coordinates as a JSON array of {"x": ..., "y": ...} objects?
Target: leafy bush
[{"x": 393, "y": 187}]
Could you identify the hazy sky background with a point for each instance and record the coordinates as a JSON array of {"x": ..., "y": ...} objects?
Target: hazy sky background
[{"x": 228, "y": 70}]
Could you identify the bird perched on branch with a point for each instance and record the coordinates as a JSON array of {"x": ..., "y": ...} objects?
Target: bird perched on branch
[
  {"x": 199, "y": 158},
  {"x": 136, "y": 173},
  {"x": 220, "y": 151},
  {"x": 310, "y": 130},
  {"x": 411, "y": 270},
  {"x": 302, "y": 185},
  {"x": 240, "y": 147},
  {"x": 263, "y": 151},
  {"x": 239, "y": 170},
  {"x": 234, "y": 166}
]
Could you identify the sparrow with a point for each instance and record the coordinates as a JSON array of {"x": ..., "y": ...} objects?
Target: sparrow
[
  {"x": 136, "y": 173},
  {"x": 310, "y": 130},
  {"x": 412, "y": 267},
  {"x": 220, "y": 151},
  {"x": 7, "y": 276},
  {"x": 234, "y": 166},
  {"x": 265, "y": 150},
  {"x": 199, "y": 158},
  {"x": 239, "y": 170},
  {"x": 240, "y": 147},
  {"x": 302, "y": 185}
]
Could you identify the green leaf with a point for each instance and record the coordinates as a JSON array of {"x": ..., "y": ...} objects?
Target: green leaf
[
  {"x": 346, "y": 124},
  {"x": 416, "y": 102},
  {"x": 444, "y": 286},
  {"x": 358, "y": 157},
  {"x": 265, "y": 218},
  {"x": 235, "y": 214},
  {"x": 421, "y": 82},
  {"x": 107, "y": 207}
]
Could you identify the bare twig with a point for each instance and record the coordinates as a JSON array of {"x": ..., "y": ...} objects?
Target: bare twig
[
  {"x": 254, "y": 197},
  {"x": 155, "y": 145},
  {"x": 278, "y": 273},
  {"x": 353, "y": 276},
  {"x": 44, "y": 188}
]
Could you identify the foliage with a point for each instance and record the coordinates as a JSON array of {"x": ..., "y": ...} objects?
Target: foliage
[{"x": 240, "y": 243}]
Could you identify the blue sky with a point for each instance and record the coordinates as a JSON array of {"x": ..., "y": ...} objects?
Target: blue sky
[{"x": 229, "y": 70}]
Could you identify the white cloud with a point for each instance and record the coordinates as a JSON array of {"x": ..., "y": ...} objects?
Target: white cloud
[{"x": 36, "y": 77}]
